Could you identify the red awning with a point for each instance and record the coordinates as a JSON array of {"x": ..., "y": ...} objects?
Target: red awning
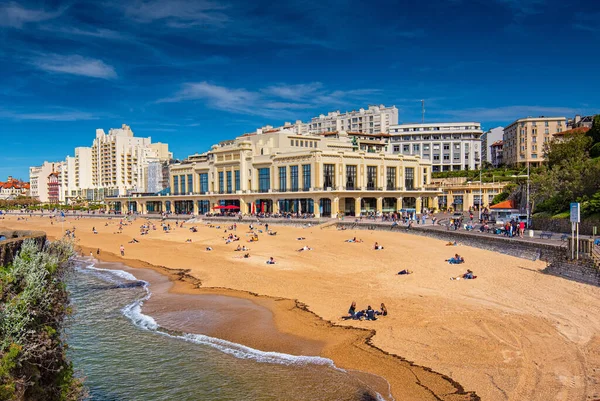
[
  {"x": 219, "y": 207},
  {"x": 231, "y": 207}
]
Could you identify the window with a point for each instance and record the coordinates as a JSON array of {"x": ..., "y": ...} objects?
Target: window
[
  {"x": 416, "y": 148},
  {"x": 229, "y": 183},
  {"x": 456, "y": 156},
  {"x": 350, "y": 177},
  {"x": 446, "y": 157},
  {"x": 175, "y": 185},
  {"x": 282, "y": 178},
  {"x": 203, "y": 183},
  {"x": 190, "y": 180},
  {"x": 391, "y": 178},
  {"x": 396, "y": 148},
  {"x": 182, "y": 184},
  {"x": 546, "y": 123},
  {"x": 264, "y": 179},
  {"x": 409, "y": 178},
  {"x": 371, "y": 177},
  {"x": 306, "y": 181},
  {"x": 436, "y": 157},
  {"x": 328, "y": 175},
  {"x": 436, "y": 147},
  {"x": 237, "y": 180},
  {"x": 294, "y": 178},
  {"x": 406, "y": 148},
  {"x": 534, "y": 155},
  {"x": 221, "y": 183},
  {"x": 546, "y": 131},
  {"x": 534, "y": 139},
  {"x": 425, "y": 147}
]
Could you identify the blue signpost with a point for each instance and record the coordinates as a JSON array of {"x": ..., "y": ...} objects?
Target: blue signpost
[{"x": 575, "y": 218}]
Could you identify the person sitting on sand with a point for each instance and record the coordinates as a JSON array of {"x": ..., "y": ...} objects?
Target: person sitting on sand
[
  {"x": 254, "y": 238},
  {"x": 450, "y": 243},
  {"x": 188, "y": 240},
  {"x": 467, "y": 276},
  {"x": 209, "y": 248},
  {"x": 244, "y": 248},
  {"x": 342, "y": 228},
  {"x": 377, "y": 247},
  {"x": 405, "y": 271},
  {"x": 383, "y": 311},
  {"x": 271, "y": 261},
  {"x": 300, "y": 238},
  {"x": 304, "y": 248},
  {"x": 456, "y": 260},
  {"x": 371, "y": 313},
  {"x": 351, "y": 311},
  {"x": 360, "y": 315},
  {"x": 238, "y": 249},
  {"x": 134, "y": 241},
  {"x": 246, "y": 255}
]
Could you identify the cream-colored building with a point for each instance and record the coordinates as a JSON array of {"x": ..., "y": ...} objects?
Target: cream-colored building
[
  {"x": 524, "y": 139},
  {"x": 461, "y": 196},
  {"x": 372, "y": 120},
  {"x": 280, "y": 172}
]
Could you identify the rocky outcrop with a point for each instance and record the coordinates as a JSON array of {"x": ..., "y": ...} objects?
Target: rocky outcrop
[{"x": 10, "y": 246}]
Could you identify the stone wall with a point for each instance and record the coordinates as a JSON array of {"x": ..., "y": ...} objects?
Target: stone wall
[
  {"x": 13, "y": 242},
  {"x": 564, "y": 225},
  {"x": 583, "y": 271}
]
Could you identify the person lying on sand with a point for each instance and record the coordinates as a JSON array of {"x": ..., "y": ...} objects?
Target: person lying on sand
[
  {"x": 188, "y": 240},
  {"x": 405, "y": 271},
  {"x": 272, "y": 232},
  {"x": 452, "y": 243},
  {"x": 467, "y": 276},
  {"x": 209, "y": 248},
  {"x": 377, "y": 247},
  {"x": 342, "y": 228},
  {"x": 246, "y": 255},
  {"x": 304, "y": 248},
  {"x": 371, "y": 313},
  {"x": 300, "y": 238},
  {"x": 271, "y": 261},
  {"x": 134, "y": 241},
  {"x": 354, "y": 240},
  {"x": 456, "y": 260}
]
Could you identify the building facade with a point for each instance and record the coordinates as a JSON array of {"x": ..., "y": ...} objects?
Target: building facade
[
  {"x": 373, "y": 120},
  {"x": 497, "y": 155},
  {"x": 580, "y": 122},
  {"x": 461, "y": 196},
  {"x": 13, "y": 188},
  {"x": 487, "y": 139},
  {"x": 524, "y": 139},
  {"x": 282, "y": 172},
  {"x": 449, "y": 146},
  {"x": 39, "y": 180}
]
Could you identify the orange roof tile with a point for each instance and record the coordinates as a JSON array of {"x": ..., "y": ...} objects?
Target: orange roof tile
[
  {"x": 507, "y": 204},
  {"x": 579, "y": 130}
]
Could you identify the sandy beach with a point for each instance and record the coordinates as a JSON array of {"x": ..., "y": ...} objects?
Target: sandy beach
[{"x": 514, "y": 333}]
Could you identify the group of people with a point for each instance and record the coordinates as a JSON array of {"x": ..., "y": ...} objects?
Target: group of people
[
  {"x": 455, "y": 260},
  {"x": 365, "y": 314}
]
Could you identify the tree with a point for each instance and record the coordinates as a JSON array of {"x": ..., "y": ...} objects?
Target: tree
[{"x": 594, "y": 133}]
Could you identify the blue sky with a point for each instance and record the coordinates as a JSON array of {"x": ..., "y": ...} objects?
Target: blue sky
[{"x": 191, "y": 73}]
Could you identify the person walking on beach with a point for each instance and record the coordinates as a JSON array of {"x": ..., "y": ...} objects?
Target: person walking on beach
[{"x": 122, "y": 248}]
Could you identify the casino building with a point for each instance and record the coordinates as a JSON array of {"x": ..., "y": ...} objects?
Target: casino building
[{"x": 280, "y": 171}]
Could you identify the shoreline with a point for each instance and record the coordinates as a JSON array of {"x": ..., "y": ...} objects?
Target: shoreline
[
  {"x": 514, "y": 333},
  {"x": 355, "y": 338}
]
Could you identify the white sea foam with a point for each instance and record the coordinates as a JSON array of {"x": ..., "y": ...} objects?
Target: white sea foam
[{"x": 134, "y": 313}]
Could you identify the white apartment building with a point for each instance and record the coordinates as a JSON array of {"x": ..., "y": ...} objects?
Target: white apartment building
[
  {"x": 374, "y": 120},
  {"x": 39, "y": 179},
  {"x": 449, "y": 146},
  {"x": 487, "y": 139}
]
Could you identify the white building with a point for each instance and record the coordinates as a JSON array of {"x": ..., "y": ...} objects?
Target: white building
[
  {"x": 38, "y": 179},
  {"x": 487, "y": 139},
  {"x": 449, "y": 146},
  {"x": 374, "y": 120}
]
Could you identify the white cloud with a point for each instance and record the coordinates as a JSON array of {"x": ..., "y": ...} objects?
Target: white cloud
[
  {"x": 177, "y": 13},
  {"x": 509, "y": 113},
  {"x": 93, "y": 32},
  {"x": 75, "y": 65},
  {"x": 280, "y": 100},
  {"x": 15, "y": 16},
  {"x": 65, "y": 115}
]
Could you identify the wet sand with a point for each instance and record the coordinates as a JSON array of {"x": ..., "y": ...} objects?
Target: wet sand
[{"x": 511, "y": 334}]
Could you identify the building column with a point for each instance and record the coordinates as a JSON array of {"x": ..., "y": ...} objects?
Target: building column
[
  {"x": 243, "y": 206},
  {"x": 275, "y": 205},
  {"x": 399, "y": 203},
  {"x": 138, "y": 206},
  {"x": 418, "y": 205},
  {"x": 335, "y": 207},
  {"x": 357, "y": 206},
  {"x": 379, "y": 207},
  {"x": 196, "y": 210},
  {"x": 317, "y": 210},
  {"x": 435, "y": 204},
  {"x": 163, "y": 206}
]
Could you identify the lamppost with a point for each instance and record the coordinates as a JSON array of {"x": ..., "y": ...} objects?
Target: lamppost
[{"x": 480, "y": 193}]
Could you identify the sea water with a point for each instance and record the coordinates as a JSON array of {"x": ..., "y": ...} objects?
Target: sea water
[{"x": 124, "y": 354}]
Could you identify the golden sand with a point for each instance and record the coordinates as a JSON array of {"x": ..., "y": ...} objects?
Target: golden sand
[{"x": 514, "y": 333}]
